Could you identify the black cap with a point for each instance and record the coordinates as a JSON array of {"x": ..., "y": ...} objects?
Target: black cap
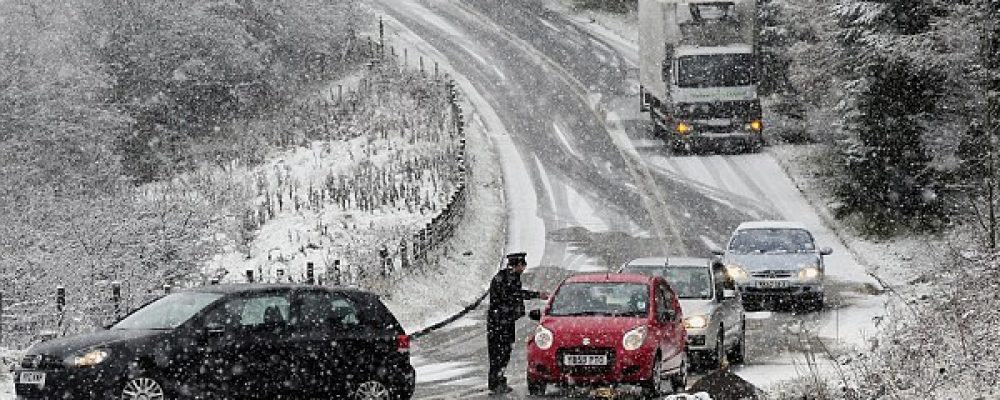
[{"x": 517, "y": 258}]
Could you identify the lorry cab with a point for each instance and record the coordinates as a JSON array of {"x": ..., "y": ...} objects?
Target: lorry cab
[{"x": 698, "y": 71}]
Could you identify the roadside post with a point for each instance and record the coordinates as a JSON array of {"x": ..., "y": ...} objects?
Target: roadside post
[
  {"x": 116, "y": 298},
  {"x": 383, "y": 254},
  {"x": 60, "y": 304},
  {"x": 310, "y": 277}
]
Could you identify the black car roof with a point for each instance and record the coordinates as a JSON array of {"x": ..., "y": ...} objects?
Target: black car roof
[{"x": 237, "y": 288}]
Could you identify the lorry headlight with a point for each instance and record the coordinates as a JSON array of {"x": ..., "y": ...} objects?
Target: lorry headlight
[
  {"x": 696, "y": 322},
  {"x": 810, "y": 273},
  {"x": 737, "y": 273},
  {"x": 756, "y": 125},
  {"x": 543, "y": 337},
  {"x": 634, "y": 339},
  {"x": 684, "y": 128}
]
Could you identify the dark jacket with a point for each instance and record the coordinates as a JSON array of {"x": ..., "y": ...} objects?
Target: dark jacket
[{"x": 506, "y": 302}]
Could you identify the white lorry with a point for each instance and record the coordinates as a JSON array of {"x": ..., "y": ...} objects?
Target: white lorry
[{"x": 698, "y": 72}]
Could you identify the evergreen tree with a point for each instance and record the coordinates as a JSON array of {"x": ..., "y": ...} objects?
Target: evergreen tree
[{"x": 893, "y": 92}]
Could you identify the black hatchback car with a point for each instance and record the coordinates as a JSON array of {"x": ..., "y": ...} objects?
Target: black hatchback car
[{"x": 232, "y": 342}]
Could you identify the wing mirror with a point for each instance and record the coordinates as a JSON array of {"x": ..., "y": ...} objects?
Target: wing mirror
[
  {"x": 728, "y": 294},
  {"x": 535, "y": 315},
  {"x": 826, "y": 251}
]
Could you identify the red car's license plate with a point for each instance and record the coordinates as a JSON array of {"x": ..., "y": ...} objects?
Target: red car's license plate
[{"x": 585, "y": 359}]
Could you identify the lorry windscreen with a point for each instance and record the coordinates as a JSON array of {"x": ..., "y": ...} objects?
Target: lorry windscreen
[{"x": 716, "y": 70}]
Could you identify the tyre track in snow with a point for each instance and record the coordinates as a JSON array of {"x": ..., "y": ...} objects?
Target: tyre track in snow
[{"x": 555, "y": 120}]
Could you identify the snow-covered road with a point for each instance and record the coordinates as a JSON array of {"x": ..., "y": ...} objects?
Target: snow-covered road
[{"x": 587, "y": 188}]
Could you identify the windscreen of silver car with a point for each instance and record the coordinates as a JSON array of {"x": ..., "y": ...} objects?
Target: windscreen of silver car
[
  {"x": 690, "y": 282},
  {"x": 612, "y": 299},
  {"x": 772, "y": 241}
]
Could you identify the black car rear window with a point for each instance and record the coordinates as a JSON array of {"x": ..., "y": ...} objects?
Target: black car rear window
[{"x": 374, "y": 314}]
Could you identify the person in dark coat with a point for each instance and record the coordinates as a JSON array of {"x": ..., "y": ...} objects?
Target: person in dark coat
[{"x": 506, "y": 306}]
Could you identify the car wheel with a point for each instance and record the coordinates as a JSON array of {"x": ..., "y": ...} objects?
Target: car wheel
[
  {"x": 536, "y": 388},
  {"x": 817, "y": 305},
  {"x": 653, "y": 387},
  {"x": 658, "y": 131},
  {"x": 679, "y": 381},
  {"x": 371, "y": 390},
  {"x": 738, "y": 354},
  {"x": 143, "y": 388}
]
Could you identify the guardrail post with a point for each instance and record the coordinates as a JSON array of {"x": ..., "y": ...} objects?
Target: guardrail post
[
  {"x": 336, "y": 273},
  {"x": 60, "y": 304},
  {"x": 310, "y": 277},
  {"x": 60, "y": 298},
  {"x": 250, "y": 276},
  {"x": 404, "y": 255},
  {"x": 1, "y": 319},
  {"x": 116, "y": 298},
  {"x": 166, "y": 288},
  {"x": 383, "y": 254}
]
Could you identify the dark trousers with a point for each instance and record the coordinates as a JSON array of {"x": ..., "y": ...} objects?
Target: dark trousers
[{"x": 499, "y": 346}]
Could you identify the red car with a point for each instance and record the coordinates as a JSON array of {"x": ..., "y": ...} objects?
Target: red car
[{"x": 609, "y": 329}]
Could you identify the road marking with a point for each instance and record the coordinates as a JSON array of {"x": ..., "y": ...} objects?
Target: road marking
[
  {"x": 565, "y": 142},
  {"x": 653, "y": 199},
  {"x": 549, "y": 193}
]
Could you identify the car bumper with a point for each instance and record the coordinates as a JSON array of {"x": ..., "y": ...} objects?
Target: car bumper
[
  {"x": 623, "y": 367},
  {"x": 79, "y": 383},
  {"x": 701, "y": 339},
  {"x": 796, "y": 290},
  {"x": 403, "y": 380}
]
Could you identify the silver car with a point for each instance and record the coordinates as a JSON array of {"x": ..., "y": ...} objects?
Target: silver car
[
  {"x": 713, "y": 313},
  {"x": 774, "y": 261}
]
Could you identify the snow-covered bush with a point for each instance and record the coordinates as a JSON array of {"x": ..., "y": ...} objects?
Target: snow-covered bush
[{"x": 942, "y": 345}]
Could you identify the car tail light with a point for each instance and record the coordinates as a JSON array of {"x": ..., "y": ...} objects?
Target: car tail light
[{"x": 403, "y": 343}]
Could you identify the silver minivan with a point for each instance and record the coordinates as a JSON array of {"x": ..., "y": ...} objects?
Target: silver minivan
[{"x": 713, "y": 312}]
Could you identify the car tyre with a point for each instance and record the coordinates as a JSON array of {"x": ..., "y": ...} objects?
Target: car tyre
[
  {"x": 653, "y": 387},
  {"x": 738, "y": 354},
  {"x": 536, "y": 388},
  {"x": 679, "y": 381},
  {"x": 143, "y": 387},
  {"x": 818, "y": 304},
  {"x": 371, "y": 390},
  {"x": 658, "y": 131}
]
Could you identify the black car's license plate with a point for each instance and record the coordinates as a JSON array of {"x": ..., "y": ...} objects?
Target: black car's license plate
[{"x": 32, "y": 378}]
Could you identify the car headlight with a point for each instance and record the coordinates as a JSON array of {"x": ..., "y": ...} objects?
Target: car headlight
[
  {"x": 737, "y": 273},
  {"x": 810, "y": 273},
  {"x": 88, "y": 359},
  {"x": 634, "y": 339},
  {"x": 696, "y": 322},
  {"x": 543, "y": 337}
]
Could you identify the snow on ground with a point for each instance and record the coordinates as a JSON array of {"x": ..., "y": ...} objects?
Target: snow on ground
[{"x": 469, "y": 259}]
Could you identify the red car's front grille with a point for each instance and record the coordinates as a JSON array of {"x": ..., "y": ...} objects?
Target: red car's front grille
[{"x": 583, "y": 370}]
